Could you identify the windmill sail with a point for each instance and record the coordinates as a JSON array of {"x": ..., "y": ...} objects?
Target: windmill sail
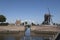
[{"x": 50, "y": 16}]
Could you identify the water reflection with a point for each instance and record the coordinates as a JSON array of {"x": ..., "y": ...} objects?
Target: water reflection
[
  {"x": 27, "y": 32},
  {"x": 26, "y": 38},
  {"x": 9, "y": 38},
  {"x": 37, "y": 38}
]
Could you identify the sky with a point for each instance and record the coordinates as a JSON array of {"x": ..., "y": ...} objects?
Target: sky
[{"x": 31, "y": 10}]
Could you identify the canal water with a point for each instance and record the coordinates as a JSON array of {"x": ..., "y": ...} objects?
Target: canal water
[{"x": 26, "y": 37}]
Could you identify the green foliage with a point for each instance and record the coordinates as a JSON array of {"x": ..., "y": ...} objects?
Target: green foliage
[
  {"x": 2, "y": 18},
  {"x": 4, "y": 24},
  {"x": 33, "y": 24},
  {"x": 26, "y": 23}
]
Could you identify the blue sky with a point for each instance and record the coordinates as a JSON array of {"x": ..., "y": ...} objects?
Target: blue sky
[{"x": 33, "y": 10}]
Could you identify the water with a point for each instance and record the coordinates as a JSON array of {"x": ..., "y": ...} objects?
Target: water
[
  {"x": 26, "y": 37},
  {"x": 9, "y": 38},
  {"x": 27, "y": 32}
]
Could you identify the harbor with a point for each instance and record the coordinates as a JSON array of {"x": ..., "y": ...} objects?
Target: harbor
[{"x": 49, "y": 32}]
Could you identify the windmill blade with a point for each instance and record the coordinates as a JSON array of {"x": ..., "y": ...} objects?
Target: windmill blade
[
  {"x": 51, "y": 16},
  {"x": 48, "y": 11}
]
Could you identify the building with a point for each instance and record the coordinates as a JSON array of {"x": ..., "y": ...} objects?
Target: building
[{"x": 18, "y": 22}]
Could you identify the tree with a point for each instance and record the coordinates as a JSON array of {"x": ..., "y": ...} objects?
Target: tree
[
  {"x": 33, "y": 24},
  {"x": 2, "y": 18},
  {"x": 26, "y": 22}
]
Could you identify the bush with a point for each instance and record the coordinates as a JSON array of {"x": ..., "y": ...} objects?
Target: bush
[
  {"x": 4, "y": 24},
  {"x": 2, "y": 18}
]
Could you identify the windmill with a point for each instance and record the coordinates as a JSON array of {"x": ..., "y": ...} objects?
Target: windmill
[{"x": 47, "y": 18}]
